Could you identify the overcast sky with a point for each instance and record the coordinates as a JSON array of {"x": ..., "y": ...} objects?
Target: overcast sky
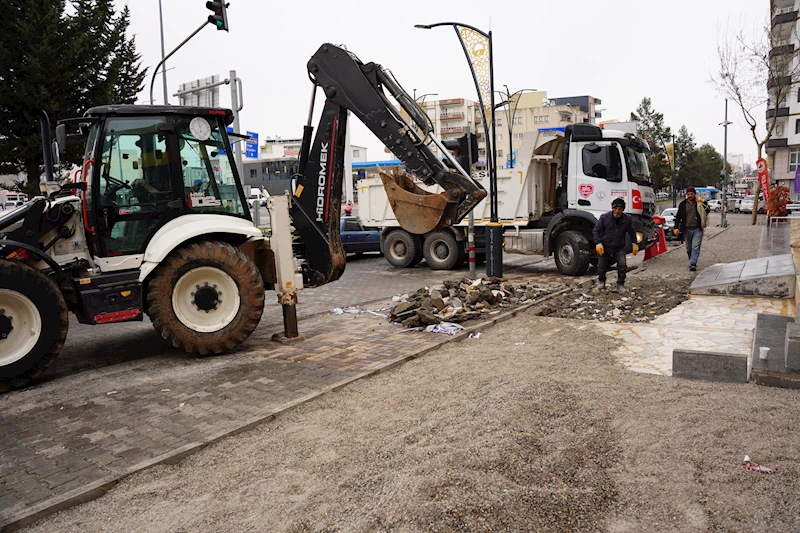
[{"x": 616, "y": 50}]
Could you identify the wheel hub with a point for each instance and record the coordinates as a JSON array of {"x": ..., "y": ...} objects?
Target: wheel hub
[
  {"x": 5, "y": 325},
  {"x": 206, "y": 298}
]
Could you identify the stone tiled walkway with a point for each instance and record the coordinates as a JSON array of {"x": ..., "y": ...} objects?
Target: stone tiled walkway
[
  {"x": 705, "y": 323},
  {"x": 61, "y": 445}
]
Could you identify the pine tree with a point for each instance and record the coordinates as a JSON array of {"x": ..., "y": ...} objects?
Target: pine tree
[{"x": 63, "y": 63}]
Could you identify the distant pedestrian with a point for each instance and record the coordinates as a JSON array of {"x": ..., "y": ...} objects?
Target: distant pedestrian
[
  {"x": 690, "y": 221},
  {"x": 348, "y": 208},
  {"x": 609, "y": 238}
]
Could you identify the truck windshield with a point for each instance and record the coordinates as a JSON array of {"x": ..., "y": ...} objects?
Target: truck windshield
[{"x": 638, "y": 171}]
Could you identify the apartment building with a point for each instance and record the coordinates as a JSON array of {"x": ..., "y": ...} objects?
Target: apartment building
[
  {"x": 783, "y": 105},
  {"x": 528, "y": 111}
]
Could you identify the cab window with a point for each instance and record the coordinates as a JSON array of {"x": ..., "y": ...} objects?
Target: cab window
[
  {"x": 602, "y": 162},
  {"x": 208, "y": 181}
]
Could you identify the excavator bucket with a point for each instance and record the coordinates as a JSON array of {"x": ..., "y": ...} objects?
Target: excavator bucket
[{"x": 417, "y": 210}]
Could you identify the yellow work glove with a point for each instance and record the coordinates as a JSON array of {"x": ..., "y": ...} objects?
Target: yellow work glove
[
  {"x": 600, "y": 249},
  {"x": 676, "y": 232},
  {"x": 635, "y": 249}
]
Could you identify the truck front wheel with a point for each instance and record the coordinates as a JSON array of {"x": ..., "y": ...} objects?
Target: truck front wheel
[
  {"x": 441, "y": 250},
  {"x": 572, "y": 253},
  {"x": 401, "y": 249},
  {"x": 206, "y": 298},
  {"x": 33, "y": 324}
]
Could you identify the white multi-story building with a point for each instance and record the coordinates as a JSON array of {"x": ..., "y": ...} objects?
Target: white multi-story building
[
  {"x": 784, "y": 97},
  {"x": 532, "y": 112}
]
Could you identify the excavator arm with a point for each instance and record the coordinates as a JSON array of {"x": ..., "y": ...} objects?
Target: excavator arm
[{"x": 352, "y": 86}]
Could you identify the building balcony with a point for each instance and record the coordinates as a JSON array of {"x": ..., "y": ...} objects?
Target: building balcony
[
  {"x": 452, "y": 116},
  {"x": 779, "y": 112},
  {"x": 779, "y": 81},
  {"x": 452, "y": 101},
  {"x": 450, "y": 131},
  {"x": 774, "y": 144},
  {"x": 781, "y": 47},
  {"x": 784, "y": 15}
]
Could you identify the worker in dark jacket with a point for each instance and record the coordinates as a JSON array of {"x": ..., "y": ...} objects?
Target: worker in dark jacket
[
  {"x": 691, "y": 220},
  {"x": 609, "y": 238}
]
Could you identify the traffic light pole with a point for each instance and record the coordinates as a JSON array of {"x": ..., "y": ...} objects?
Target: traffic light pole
[{"x": 155, "y": 70}]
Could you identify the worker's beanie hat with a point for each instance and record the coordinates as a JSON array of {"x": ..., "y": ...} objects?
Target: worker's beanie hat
[{"x": 618, "y": 202}]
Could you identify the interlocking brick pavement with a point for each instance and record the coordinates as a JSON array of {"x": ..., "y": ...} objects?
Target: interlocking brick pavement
[{"x": 61, "y": 445}]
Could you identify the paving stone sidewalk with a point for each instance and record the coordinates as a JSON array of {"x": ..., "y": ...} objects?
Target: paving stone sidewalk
[{"x": 57, "y": 450}]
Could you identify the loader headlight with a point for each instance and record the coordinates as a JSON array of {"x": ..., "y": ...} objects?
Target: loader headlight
[{"x": 639, "y": 237}]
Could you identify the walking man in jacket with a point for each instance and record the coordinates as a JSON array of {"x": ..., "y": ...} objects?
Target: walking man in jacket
[
  {"x": 609, "y": 238},
  {"x": 691, "y": 219}
]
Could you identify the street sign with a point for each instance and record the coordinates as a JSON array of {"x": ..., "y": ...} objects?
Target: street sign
[{"x": 251, "y": 148}]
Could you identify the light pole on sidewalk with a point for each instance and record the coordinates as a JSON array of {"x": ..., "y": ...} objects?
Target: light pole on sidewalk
[
  {"x": 723, "y": 219},
  {"x": 511, "y": 115},
  {"x": 475, "y": 44}
]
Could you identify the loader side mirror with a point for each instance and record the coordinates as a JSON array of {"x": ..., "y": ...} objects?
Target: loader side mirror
[
  {"x": 61, "y": 139},
  {"x": 56, "y": 153}
]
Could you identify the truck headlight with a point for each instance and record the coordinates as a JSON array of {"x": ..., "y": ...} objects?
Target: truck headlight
[{"x": 639, "y": 237}]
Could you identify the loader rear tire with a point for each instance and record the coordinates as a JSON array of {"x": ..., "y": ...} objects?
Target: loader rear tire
[
  {"x": 206, "y": 297},
  {"x": 33, "y": 324}
]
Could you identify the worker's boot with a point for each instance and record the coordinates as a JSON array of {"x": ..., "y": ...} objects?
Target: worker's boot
[
  {"x": 601, "y": 285},
  {"x": 621, "y": 289}
]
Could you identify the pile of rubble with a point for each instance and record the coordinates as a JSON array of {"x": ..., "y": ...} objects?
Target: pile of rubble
[
  {"x": 463, "y": 300},
  {"x": 643, "y": 303}
]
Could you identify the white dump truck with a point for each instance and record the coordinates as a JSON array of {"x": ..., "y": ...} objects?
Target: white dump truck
[{"x": 548, "y": 203}]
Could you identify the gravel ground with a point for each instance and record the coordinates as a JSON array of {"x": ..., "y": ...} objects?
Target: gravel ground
[
  {"x": 659, "y": 284},
  {"x": 532, "y": 427}
]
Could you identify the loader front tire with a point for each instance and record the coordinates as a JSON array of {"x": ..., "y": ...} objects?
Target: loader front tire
[
  {"x": 206, "y": 297},
  {"x": 33, "y": 324}
]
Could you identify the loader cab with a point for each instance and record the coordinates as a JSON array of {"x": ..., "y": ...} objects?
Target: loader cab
[{"x": 147, "y": 165}]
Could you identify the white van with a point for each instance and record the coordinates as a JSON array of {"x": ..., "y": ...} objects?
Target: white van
[{"x": 257, "y": 195}]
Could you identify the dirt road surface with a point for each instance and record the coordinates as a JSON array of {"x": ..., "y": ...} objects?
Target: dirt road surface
[{"x": 531, "y": 427}]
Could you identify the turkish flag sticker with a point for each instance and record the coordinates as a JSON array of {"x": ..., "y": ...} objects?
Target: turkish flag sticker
[
  {"x": 636, "y": 199},
  {"x": 586, "y": 190}
]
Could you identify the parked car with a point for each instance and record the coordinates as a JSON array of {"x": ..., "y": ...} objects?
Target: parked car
[
  {"x": 747, "y": 205},
  {"x": 715, "y": 205},
  {"x": 357, "y": 239},
  {"x": 738, "y": 205},
  {"x": 257, "y": 195},
  {"x": 669, "y": 222}
]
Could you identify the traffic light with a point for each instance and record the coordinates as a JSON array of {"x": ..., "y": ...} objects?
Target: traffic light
[
  {"x": 220, "y": 16},
  {"x": 462, "y": 148}
]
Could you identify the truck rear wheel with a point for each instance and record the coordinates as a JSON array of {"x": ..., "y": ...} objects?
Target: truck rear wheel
[
  {"x": 441, "y": 250},
  {"x": 572, "y": 253},
  {"x": 206, "y": 298},
  {"x": 402, "y": 249},
  {"x": 33, "y": 324}
]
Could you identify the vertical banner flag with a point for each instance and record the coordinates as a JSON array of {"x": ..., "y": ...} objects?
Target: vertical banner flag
[
  {"x": 797, "y": 180},
  {"x": 763, "y": 177},
  {"x": 476, "y": 48}
]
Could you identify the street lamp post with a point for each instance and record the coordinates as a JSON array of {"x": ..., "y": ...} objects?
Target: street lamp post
[
  {"x": 511, "y": 115},
  {"x": 494, "y": 231},
  {"x": 723, "y": 222}
]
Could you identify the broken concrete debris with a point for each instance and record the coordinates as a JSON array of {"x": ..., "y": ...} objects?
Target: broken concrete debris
[{"x": 461, "y": 300}]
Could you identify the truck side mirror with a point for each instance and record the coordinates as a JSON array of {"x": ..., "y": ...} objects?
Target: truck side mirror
[
  {"x": 56, "y": 153},
  {"x": 61, "y": 138}
]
